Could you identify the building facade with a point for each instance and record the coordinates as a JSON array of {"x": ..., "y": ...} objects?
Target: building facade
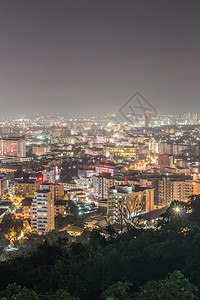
[
  {"x": 118, "y": 154},
  {"x": 125, "y": 203},
  {"x": 43, "y": 208},
  {"x": 26, "y": 188},
  {"x": 171, "y": 189},
  {"x": 13, "y": 146}
]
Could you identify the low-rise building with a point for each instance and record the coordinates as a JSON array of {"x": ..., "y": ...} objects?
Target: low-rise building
[
  {"x": 25, "y": 210},
  {"x": 40, "y": 150},
  {"x": 60, "y": 207},
  {"x": 26, "y": 188}
]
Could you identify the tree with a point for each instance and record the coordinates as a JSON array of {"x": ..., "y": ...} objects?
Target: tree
[
  {"x": 84, "y": 237},
  {"x": 17, "y": 292},
  {"x": 142, "y": 257},
  {"x": 60, "y": 238},
  {"x": 118, "y": 291},
  {"x": 3, "y": 243},
  {"x": 111, "y": 231},
  {"x": 97, "y": 239},
  {"x": 10, "y": 223},
  {"x": 193, "y": 206},
  {"x": 63, "y": 221},
  {"x": 61, "y": 295},
  {"x": 12, "y": 207},
  {"x": 72, "y": 208},
  {"x": 33, "y": 241},
  {"x": 175, "y": 286},
  {"x": 11, "y": 235},
  {"x": 175, "y": 216}
]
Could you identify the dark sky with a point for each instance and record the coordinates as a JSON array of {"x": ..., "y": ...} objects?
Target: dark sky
[{"x": 87, "y": 57}]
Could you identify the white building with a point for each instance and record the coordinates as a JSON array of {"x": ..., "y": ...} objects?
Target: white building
[
  {"x": 111, "y": 169},
  {"x": 42, "y": 209},
  {"x": 51, "y": 176}
]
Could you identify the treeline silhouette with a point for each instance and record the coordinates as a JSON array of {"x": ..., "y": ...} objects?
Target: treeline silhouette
[{"x": 140, "y": 264}]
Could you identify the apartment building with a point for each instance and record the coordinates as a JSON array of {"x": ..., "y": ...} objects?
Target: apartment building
[
  {"x": 26, "y": 188},
  {"x": 103, "y": 183},
  {"x": 170, "y": 189},
  {"x": 125, "y": 203},
  {"x": 13, "y": 146},
  {"x": 120, "y": 153},
  {"x": 25, "y": 210},
  {"x": 42, "y": 208}
]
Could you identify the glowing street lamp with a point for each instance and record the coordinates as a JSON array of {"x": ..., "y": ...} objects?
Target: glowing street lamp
[{"x": 177, "y": 209}]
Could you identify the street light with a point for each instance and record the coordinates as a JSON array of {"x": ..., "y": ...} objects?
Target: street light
[{"x": 177, "y": 209}]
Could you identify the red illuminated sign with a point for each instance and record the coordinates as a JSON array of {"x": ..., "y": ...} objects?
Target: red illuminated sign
[
  {"x": 40, "y": 178},
  {"x": 103, "y": 169}
]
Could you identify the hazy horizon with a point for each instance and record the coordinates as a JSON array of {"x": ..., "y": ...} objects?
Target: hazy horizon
[{"x": 89, "y": 57}]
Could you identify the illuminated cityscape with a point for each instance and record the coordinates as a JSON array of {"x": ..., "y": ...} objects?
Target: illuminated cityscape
[
  {"x": 99, "y": 150},
  {"x": 91, "y": 162}
]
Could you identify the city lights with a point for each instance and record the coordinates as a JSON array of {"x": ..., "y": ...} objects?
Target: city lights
[{"x": 100, "y": 150}]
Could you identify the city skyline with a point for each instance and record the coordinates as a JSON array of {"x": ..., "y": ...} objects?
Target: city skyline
[{"x": 99, "y": 149}]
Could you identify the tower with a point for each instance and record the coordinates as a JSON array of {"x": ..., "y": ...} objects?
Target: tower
[{"x": 147, "y": 118}]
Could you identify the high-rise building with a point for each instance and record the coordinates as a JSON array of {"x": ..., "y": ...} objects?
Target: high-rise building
[
  {"x": 165, "y": 148},
  {"x": 13, "y": 146},
  {"x": 193, "y": 118},
  {"x": 102, "y": 184},
  {"x": 171, "y": 189},
  {"x": 147, "y": 118},
  {"x": 42, "y": 209}
]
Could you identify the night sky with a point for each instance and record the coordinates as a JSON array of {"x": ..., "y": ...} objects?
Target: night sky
[{"x": 88, "y": 57}]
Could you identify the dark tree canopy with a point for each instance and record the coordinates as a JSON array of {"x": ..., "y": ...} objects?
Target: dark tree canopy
[{"x": 141, "y": 264}]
